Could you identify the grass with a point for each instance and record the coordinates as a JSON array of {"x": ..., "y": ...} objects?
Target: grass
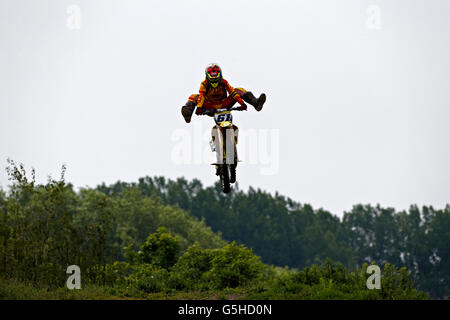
[
  {"x": 281, "y": 285},
  {"x": 15, "y": 290}
]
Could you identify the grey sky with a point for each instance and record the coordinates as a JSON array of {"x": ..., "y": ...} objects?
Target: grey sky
[{"x": 363, "y": 114}]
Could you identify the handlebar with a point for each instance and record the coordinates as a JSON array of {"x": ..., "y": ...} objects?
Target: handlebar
[
  {"x": 205, "y": 112},
  {"x": 224, "y": 109}
]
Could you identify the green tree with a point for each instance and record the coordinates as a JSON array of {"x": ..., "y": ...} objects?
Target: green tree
[
  {"x": 160, "y": 249},
  {"x": 233, "y": 266}
]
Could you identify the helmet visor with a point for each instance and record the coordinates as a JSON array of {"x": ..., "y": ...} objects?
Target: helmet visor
[{"x": 213, "y": 73}]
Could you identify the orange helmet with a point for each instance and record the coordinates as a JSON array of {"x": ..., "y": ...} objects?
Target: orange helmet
[{"x": 213, "y": 74}]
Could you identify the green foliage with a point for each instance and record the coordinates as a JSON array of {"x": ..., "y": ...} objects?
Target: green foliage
[
  {"x": 191, "y": 267},
  {"x": 333, "y": 281},
  {"x": 151, "y": 240},
  {"x": 418, "y": 240},
  {"x": 46, "y": 228},
  {"x": 233, "y": 266},
  {"x": 16, "y": 290},
  {"x": 160, "y": 249},
  {"x": 114, "y": 274},
  {"x": 278, "y": 229},
  {"x": 286, "y": 233},
  {"x": 229, "y": 267},
  {"x": 397, "y": 284},
  {"x": 137, "y": 216},
  {"x": 149, "y": 278},
  {"x": 39, "y": 237}
]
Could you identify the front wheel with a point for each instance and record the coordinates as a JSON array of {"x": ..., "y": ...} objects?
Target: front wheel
[
  {"x": 232, "y": 173},
  {"x": 225, "y": 178}
]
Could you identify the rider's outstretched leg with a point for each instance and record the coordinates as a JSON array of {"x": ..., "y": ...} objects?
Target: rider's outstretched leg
[
  {"x": 248, "y": 97},
  {"x": 188, "y": 109}
]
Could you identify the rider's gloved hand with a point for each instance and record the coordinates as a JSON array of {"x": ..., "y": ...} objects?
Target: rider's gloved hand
[
  {"x": 243, "y": 106},
  {"x": 199, "y": 111},
  {"x": 210, "y": 112}
]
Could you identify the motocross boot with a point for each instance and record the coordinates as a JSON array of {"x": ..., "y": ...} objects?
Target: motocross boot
[
  {"x": 187, "y": 110},
  {"x": 255, "y": 102}
]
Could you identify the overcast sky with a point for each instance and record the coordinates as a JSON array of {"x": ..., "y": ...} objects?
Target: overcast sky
[{"x": 358, "y": 94}]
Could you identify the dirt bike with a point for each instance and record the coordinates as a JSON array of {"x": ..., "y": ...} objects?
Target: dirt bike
[{"x": 223, "y": 142}]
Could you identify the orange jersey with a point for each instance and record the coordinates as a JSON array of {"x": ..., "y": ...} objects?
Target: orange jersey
[{"x": 213, "y": 95}]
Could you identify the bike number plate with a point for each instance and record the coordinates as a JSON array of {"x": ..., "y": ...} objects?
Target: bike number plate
[{"x": 221, "y": 117}]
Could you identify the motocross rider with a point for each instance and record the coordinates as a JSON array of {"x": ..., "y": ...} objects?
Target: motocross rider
[{"x": 216, "y": 93}]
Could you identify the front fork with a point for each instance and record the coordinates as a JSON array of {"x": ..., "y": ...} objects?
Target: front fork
[{"x": 224, "y": 141}]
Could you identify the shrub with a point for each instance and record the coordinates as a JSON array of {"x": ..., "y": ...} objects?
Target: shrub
[
  {"x": 233, "y": 266},
  {"x": 160, "y": 249},
  {"x": 192, "y": 266},
  {"x": 114, "y": 274},
  {"x": 149, "y": 278}
]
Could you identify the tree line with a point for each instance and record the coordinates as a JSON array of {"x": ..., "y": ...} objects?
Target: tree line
[
  {"x": 175, "y": 239},
  {"x": 287, "y": 233}
]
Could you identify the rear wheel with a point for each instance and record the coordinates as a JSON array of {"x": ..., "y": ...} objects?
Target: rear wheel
[{"x": 225, "y": 178}]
